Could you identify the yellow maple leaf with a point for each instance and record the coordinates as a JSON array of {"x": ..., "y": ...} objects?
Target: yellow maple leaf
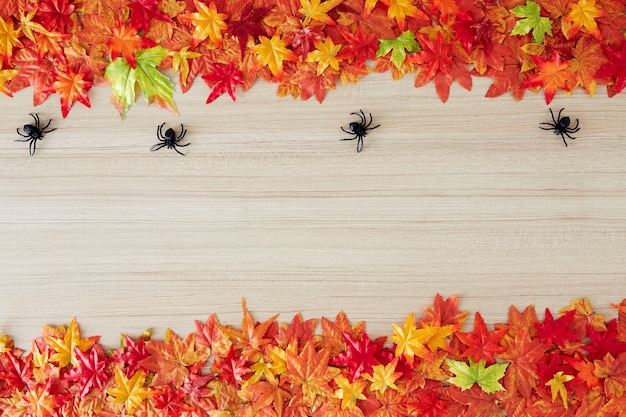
[
  {"x": 348, "y": 392},
  {"x": 9, "y": 38},
  {"x": 400, "y": 9},
  {"x": 383, "y": 377},
  {"x": 411, "y": 341},
  {"x": 272, "y": 52},
  {"x": 208, "y": 22},
  {"x": 583, "y": 15},
  {"x": 324, "y": 55},
  {"x": 180, "y": 62},
  {"x": 317, "y": 10},
  {"x": 129, "y": 391},
  {"x": 438, "y": 339},
  {"x": 583, "y": 309},
  {"x": 64, "y": 346},
  {"x": 557, "y": 386},
  {"x": 29, "y": 27}
]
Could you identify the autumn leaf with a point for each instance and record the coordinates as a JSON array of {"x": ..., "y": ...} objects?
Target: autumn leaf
[
  {"x": 325, "y": 55},
  {"x": 251, "y": 336},
  {"x": 65, "y": 345},
  {"x": 557, "y": 386},
  {"x": 476, "y": 373},
  {"x": 303, "y": 331},
  {"x": 71, "y": 87},
  {"x": 603, "y": 342},
  {"x": 481, "y": 344},
  {"x": 349, "y": 391},
  {"x": 272, "y": 52},
  {"x": 401, "y": 9},
  {"x": 6, "y": 75},
  {"x": 612, "y": 371},
  {"x": 445, "y": 311},
  {"x": 318, "y": 10},
  {"x": 171, "y": 359},
  {"x": 531, "y": 21},
  {"x": 615, "y": 70},
  {"x": 207, "y": 22},
  {"x": 476, "y": 402},
  {"x": 142, "y": 12},
  {"x": 131, "y": 392},
  {"x": 223, "y": 79},
  {"x": 90, "y": 372},
  {"x": 333, "y": 332},
  {"x": 411, "y": 341},
  {"x": 583, "y": 15},
  {"x": 210, "y": 334},
  {"x": 550, "y": 75},
  {"x": 180, "y": 62},
  {"x": 155, "y": 87},
  {"x": 41, "y": 402},
  {"x": 359, "y": 356},
  {"x": 15, "y": 371},
  {"x": 125, "y": 41},
  {"x": 56, "y": 15},
  {"x": 248, "y": 25},
  {"x": 9, "y": 39},
  {"x": 361, "y": 46},
  {"x": 383, "y": 376},
  {"x": 398, "y": 47}
]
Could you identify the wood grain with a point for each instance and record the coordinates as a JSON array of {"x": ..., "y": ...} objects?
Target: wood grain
[{"x": 469, "y": 197}]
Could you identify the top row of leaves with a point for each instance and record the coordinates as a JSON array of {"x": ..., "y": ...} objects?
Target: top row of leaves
[{"x": 306, "y": 46}]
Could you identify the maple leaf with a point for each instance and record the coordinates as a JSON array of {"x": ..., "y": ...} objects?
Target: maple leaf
[
  {"x": 56, "y": 15},
  {"x": 90, "y": 372},
  {"x": 302, "y": 331},
  {"x": 272, "y": 52},
  {"x": 130, "y": 391},
  {"x": 171, "y": 359},
  {"x": 252, "y": 336},
  {"x": 309, "y": 373},
  {"x": 359, "y": 356},
  {"x": 248, "y": 25},
  {"x": 333, "y": 332},
  {"x": 9, "y": 39},
  {"x": 180, "y": 62},
  {"x": 6, "y": 75},
  {"x": 360, "y": 48},
  {"x": 434, "y": 57},
  {"x": 210, "y": 334},
  {"x": 401, "y": 9},
  {"x": 125, "y": 41},
  {"x": 318, "y": 10},
  {"x": 428, "y": 403},
  {"x": 477, "y": 403},
  {"x": 231, "y": 368},
  {"x": 132, "y": 353},
  {"x": 614, "y": 70},
  {"x": 154, "y": 86},
  {"x": 612, "y": 370},
  {"x": 410, "y": 341},
  {"x": 65, "y": 345},
  {"x": 84, "y": 59},
  {"x": 604, "y": 342},
  {"x": 557, "y": 386},
  {"x": 583, "y": 313},
  {"x": 523, "y": 355},
  {"x": 223, "y": 79},
  {"x": 144, "y": 11},
  {"x": 268, "y": 395},
  {"x": 481, "y": 344},
  {"x": 16, "y": 373},
  {"x": 325, "y": 55},
  {"x": 398, "y": 47},
  {"x": 551, "y": 75},
  {"x": 445, "y": 311},
  {"x": 208, "y": 23},
  {"x": 583, "y": 15},
  {"x": 349, "y": 391},
  {"x": 476, "y": 373},
  {"x": 383, "y": 376},
  {"x": 584, "y": 368},
  {"x": 171, "y": 402},
  {"x": 71, "y": 87},
  {"x": 531, "y": 21},
  {"x": 41, "y": 402}
]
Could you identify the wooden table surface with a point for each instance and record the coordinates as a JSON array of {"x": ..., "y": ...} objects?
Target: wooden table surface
[{"x": 469, "y": 197}]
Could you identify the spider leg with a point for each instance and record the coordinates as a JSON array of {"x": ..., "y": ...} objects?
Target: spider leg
[
  {"x": 157, "y": 146},
  {"x": 160, "y": 131},
  {"x": 359, "y": 144},
  {"x": 341, "y": 129},
  {"x": 48, "y": 131},
  {"x": 21, "y": 134},
  {"x": 374, "y": 127},
  {"x": 562, "y": 136},
  {"x": 35, "y": 118},
  {"x": 361, "y": 116},
  {"x": 23, "y": 140},
  {"x": 182, "y": 146},
  {"x": 552, "y": 126},
  {"x": 575, "y": 128},
  {"x": 183, "y": 132},
  {"x": 46, "y": 126},
  {"x": 355, "y": 136},
  {"x": 33, "y": 147},
  {"x": 178, "y": 150},
  {"x": 568, "y": 135}
]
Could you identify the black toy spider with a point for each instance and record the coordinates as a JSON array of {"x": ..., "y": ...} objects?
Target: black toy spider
[
  {"x": 170, "y": 139},
  {"x": 561, "y": 126},
  {"x": 359, "y": 129},
  {"x": 33, "y": 133}
]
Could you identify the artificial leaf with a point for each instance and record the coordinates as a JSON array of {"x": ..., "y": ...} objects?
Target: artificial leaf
[
  {"x": 41, "y": 402},
  {"x": 65, "y": 346},
  {"x": 603, "y": 342},
  {"x": 71, "y": 87},
  {"x": 272, "y": 52},
  {"x": 583, "y": 15},
  {"x": 142, "y": 12},
  {"x": 383, "y": 376},
  {"x": 6, "y": 75},
  {"x": 359, "y": 356},
  {"x": 9, "y": 39},
  {"x": 223, "y": 79},
  {"x": 477, "y": 402},
  {"x": 132, "y": 353},
  {"x": 170, "y": 402},
  {"x": 531, "y": 21},
  {"x": 309, "y": 373},
  {"x": 154, "y": 86},
  {"x": 361, "y": 46},
  {"x": 435, "y": 57},
  {"x": 557, "y": 386},
  {"x": 401, "y": 9},
  {"x": 398, "y": 47},
  {"x": 551, "y": 75},
  {"x": 90, "y": 372},
  {"x": 318, "y": 10},
  {"x": 126, "y": 42},
  {"x": 325, "y": 55},
  {"x": 587, "y": 59},
  {"x": 303, "y": 331},
  {"x": 481, "y": 344},
  {"x": 411, "y": 341},
  {"x": 267, "y": 394},
  {"x": 210, "y": 334},
  {"x": 231, "y": 369},
  {"x": 615, "y": 70},
  {"x": 349, "y": 391},
  {"x": 252, "y": 336},
  {"x": 130, "y": 391},
  {"x": 476, "y": 373},
  {"x": 612, "y": 372},
  {"x": 333, "y": 332},
  {"x": 208, "y": 23},
  {"x": 171, "y": 359},
  {"x": 445, "y": 311},
  {"x": 180, "y": 62},
  {"x": 15, "y": 372},
  {"x": 56, "y": 15}
]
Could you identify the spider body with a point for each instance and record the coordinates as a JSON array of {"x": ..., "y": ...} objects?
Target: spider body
[
  {"x": 33, "y": 133},
  {"x": 561, "y": 126},
  {"x": 169, "y": 139},
  {"x": 359, "y": 129}
]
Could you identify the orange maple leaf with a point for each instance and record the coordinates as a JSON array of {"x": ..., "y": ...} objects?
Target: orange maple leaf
[
  {"x": 71, "y": 87},
  {"x": 251, "y": 336},
  {"x": 613, "y": 373},
  {"x": 583, "y": 15},
  {"x": 551, "y": 75},
  {"x": 125, "y": 41}
]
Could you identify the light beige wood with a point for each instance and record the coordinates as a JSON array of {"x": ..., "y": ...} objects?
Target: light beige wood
[{"x": 469, "y": 197}]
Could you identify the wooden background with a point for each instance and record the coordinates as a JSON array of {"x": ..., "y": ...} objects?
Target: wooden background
[{"x": 469, "y": 197}]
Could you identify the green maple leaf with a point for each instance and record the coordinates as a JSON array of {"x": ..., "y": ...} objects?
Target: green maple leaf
[
  {"x": 154, "y": 85},
  {"x": 398, "y": 47},
  {"x": 476, "y": 373},
  {"x": 532, "y": 20}
]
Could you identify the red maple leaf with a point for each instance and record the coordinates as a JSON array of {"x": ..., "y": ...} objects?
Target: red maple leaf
[
  {"x": 612, "y": 371},
  {"x": 481, "y": 344},
  {"x": 55, "y": 15},
  {"x": 361, "y": 46},
  {"x": 555, "y": 331},
  {"x": 603, "y": 342},
  {"x": 232, "y": 368},
  {"x": 15, "y": 371},
  {"x": 550, "y": 75},
  {"x": 360, "y": 355},
  {"x": 223, "y": 79},
  {"x": 125, "y": 41},
  {"x": 614, "y": 72},
  {"x": 131, "y": 355},
  {"x": 308, "y": 83},
  {"x": 248, "y": 25},
  {"x": 429, "y": 403},
  {"x": 172, "y": 403},
  {"x": 478, "y": 403},
  {"x": 143, "y": 11},
  {"x": 90, "y": 372},
  {"x": 40, "y": 75},
  {"x": 333, "y": 332},
  {"x": 444, "y": 312}
]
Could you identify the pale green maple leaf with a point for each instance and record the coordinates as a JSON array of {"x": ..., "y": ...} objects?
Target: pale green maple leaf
[
  {"x": 154, "y": 85},
  {"x": 532, "y": 21},
  {"x": 476, "y": 373},
  {"x": 398, "y": 47}
]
